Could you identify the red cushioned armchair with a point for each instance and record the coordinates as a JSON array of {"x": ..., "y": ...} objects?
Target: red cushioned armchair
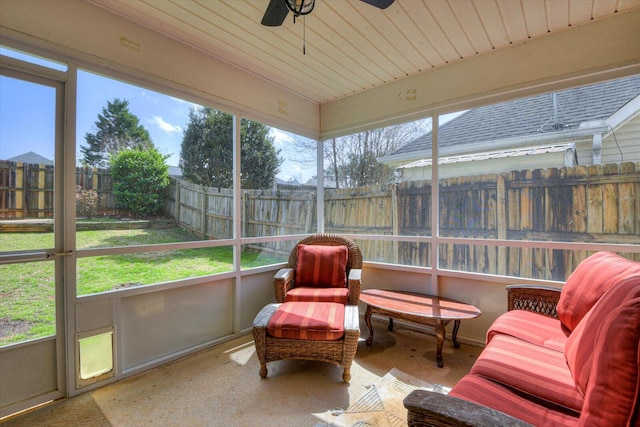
[{"x": 321, "y": 268}]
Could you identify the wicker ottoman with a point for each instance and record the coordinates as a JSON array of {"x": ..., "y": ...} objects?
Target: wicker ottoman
[{"x": 337, "y": 351}]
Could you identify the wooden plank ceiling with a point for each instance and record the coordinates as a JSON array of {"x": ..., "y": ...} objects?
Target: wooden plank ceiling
[{"x": 352, "y": 46}]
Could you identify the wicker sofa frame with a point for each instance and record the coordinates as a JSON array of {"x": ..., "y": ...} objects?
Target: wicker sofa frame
[
  {"x": 284, "y": 278},
  {"x": 427, "y": 408}
]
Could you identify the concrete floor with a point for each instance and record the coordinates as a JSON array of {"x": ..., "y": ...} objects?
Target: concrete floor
[{"x": 220, "y": 386}]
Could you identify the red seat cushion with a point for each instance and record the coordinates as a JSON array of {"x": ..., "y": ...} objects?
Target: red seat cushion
[
  {"x": 321, "y": 266},
  {"x": 603, "y": 354},
  {"x": 535, "y": 371},
  {"x": 323, "y": 321},
  {"x": 504, "y": 399},
  {"x": 588, "y": 282},
  {"x": 532, "y": 327},
  {"x": 339, "y": 295}
]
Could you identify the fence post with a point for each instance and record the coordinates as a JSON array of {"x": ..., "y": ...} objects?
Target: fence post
[
  {"x": 203, "y": 225},
  {"x": 395, "y": 226},
  {"x": 309, "y": 213},
  {"x": 243, "y": 214},
  {"x": 41, "y": 190},
  {"x": 25, "y": 190},
  {"x": 501, "y": 218},
  {"x": 94, "y": 180},
  {"x": 176, "y": 207}
]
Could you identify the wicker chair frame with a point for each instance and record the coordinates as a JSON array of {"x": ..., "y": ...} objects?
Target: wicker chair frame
[{"x": 284, "y": 280}]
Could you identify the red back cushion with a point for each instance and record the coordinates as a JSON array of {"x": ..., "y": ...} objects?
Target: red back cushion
[
  {"x": 584, "y": 287},
  {"x": 603, "y": 355},
  {"x": 321, "y": 266}
]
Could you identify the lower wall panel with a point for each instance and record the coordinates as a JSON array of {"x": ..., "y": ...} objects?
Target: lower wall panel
[
  {"x": 156, "y": 325},
  {"x": 27, "y": 371},
  {"x": 256, "y": 292}
]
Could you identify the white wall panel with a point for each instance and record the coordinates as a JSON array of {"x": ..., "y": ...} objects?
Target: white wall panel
[
  {"x": 256, "y": 292},
  {"x": 94, "y": 314},
  {"x": 26, "y": 371},
  {"x": 156, "y": 325}
]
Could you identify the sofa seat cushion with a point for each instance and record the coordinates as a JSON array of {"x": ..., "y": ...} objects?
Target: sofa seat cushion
[
  {"x": 321, "y": 321},
  {"x": 588, "y": 282},
  {"x": 531, "y": 369},
  {"x": 532, "y": 327},
  {"x": 321, "y": 266},
  {"x": 338, "y": 295},
  {"x": 603, "y": 354},
  {"x": 483, "y": 391}
]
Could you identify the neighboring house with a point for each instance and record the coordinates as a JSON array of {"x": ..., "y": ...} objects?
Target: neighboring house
[
  {"x": 175, "y": 171},
  {"x": 310, "y": 185},
  {"x": 594, "y": 124},
  {"x": 31, "y": 157}
]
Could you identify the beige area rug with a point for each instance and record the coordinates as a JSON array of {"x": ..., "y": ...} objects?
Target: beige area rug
[{"x": 381, "y": 405}]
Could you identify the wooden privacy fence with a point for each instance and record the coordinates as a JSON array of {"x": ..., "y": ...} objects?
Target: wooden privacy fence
[
  {"x": 599, "y": 203},
  {"x": 26, "y": 189}
]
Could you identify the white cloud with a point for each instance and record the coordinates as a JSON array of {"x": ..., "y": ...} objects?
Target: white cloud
[
  {"x": 281, "y": 137},
  {"x": 166, "y": 127}
]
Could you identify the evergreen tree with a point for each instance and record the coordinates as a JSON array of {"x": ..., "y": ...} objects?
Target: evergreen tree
[
  {"x": 140, "y": 178},
  {"x": 117, "y": 130},
  {"x": 206, "y": 155}
]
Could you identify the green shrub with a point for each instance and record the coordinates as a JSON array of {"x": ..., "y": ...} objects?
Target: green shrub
[
  {"x": 140, "y": 178},
  {"x": 87, "y": 202}
]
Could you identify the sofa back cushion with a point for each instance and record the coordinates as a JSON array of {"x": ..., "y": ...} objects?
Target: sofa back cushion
[
  {"x": 321, "y": 266},
  {"x": 603, "y": 355},
  {"x": 584, "y": 287}
]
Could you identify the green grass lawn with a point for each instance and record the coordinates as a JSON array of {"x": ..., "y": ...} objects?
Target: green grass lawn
[{"x": 27, "y": 305}]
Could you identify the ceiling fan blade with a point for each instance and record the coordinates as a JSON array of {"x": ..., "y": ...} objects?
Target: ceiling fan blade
[
  {"x": 275, "y": 13},
  {"x": 380, "y": 4}
]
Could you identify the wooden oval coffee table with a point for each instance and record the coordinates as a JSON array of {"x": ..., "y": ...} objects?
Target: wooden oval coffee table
[{"x": 418, "y": 308}]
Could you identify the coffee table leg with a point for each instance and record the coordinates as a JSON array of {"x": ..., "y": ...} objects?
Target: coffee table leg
[
  {"x": 390, "y": 327},
  {"x": 440, "y": 333},
  {"x": 367, "y": 320},
  {"x": 454, "y": 337}
]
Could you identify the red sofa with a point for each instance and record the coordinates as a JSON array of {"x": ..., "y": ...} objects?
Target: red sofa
[{"x": 577, "y": 364}]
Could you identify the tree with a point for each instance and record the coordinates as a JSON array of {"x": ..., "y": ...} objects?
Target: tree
[
  {"x": 140, "y": 178},
  {"x": 351, "y": 161},
  {"x": 117, "y": 130},
  {"x": 206, "y": 153}
]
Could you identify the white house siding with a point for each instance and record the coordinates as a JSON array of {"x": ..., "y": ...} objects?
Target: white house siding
[
  {"x": 628, "y": 142},
  {"x": 628, "y": 137}
]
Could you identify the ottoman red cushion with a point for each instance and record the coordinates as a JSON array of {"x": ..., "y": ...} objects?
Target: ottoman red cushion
[{"x": 323, "y": 321}]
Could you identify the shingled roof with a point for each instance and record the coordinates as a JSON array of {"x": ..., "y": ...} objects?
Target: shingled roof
[
  {"x": 528, "y": 116},
  {"x": 32, "y": 158}
]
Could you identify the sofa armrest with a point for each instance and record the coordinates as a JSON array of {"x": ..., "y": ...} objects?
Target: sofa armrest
[
  {"x": 354, "y": 284},
  {"x": 427, "y": 408},
  {"x": 535, "y": 298},
  {"x": 282, "y": 282}
]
